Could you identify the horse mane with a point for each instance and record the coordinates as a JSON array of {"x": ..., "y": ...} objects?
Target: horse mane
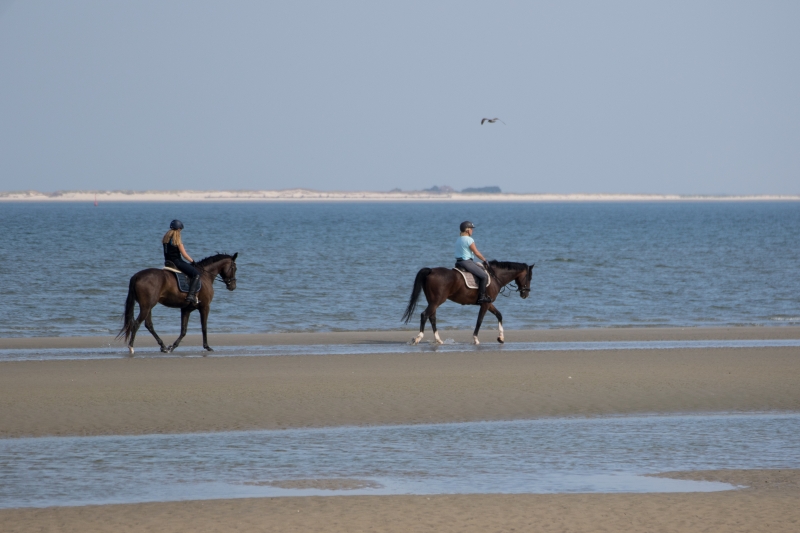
[
  {"x": 508, "y": 265},
  {"x": 213, "y": 259}
]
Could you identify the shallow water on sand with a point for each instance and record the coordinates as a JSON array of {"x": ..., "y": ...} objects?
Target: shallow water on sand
[
  {"x": 449, "y": 346},
  {"x": 338, "y": 266},
  {"x": 536, "y": 456}
]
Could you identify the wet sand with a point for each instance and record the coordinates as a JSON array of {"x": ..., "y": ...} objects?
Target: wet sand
[
  {"x": 177, "y": 395},
  {"x": 488, "y": 334},
  {"x": 147, "y": 395}
]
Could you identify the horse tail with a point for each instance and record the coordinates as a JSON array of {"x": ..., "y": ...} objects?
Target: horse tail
[
  {"x": 127, "y": 318},
  {"x": 412, "y": 302}
]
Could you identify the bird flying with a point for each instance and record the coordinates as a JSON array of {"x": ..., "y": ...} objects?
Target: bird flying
[{"x": 490, "y": 120}]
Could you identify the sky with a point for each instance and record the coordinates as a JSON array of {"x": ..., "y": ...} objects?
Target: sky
[{"x": 678, "y": 97}]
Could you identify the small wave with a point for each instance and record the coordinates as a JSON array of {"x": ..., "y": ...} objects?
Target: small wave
[
  {"x": 320, "y": 484},
  {"x": 784, "y": 318},
  {"x": 563, "y": 260}
]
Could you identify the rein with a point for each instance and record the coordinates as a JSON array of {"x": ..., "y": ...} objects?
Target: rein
[
  {"x": 223, "y": 280},
  {"x": 504, "y": 287},
  {"x": 227, "y": 282}
]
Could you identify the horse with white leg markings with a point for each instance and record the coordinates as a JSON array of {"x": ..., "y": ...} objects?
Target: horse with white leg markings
[{"x": 442, "y": 284}]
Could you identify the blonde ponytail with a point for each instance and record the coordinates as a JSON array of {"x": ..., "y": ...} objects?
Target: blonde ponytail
[{"x": 173, "y": 235}]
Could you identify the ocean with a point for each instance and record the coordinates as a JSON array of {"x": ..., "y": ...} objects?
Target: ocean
[{"x": 350, "y": 266}]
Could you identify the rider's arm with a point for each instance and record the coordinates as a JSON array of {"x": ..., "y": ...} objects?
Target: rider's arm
[
  {"x": 185, "y": 254},
  {"x": 476, "y": 252}
]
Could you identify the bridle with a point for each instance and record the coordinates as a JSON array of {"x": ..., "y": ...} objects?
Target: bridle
[
  {"x": 526, "y": 292},
  {"x": 228, "y": 281},
  {"x": 518, "y": 289}
]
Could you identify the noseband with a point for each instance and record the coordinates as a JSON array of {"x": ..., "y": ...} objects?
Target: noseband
[
  {"x": 523, "y": 292},
  {"x": 228, "y": 281}
]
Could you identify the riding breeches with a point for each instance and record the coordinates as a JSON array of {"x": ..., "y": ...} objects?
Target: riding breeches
[
  {"x": 186, "y": 268},
  {"x": 470, "y": 266}
]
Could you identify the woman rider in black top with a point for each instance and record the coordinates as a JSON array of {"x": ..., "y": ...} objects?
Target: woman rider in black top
[{"x": 174, "y": 252}]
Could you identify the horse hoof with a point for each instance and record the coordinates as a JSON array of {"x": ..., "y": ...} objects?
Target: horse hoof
[
  {"x": 209, "y": 348},
  {"x": 164, "y": 349},
  {"x": 500, "y": 340},
  {"x": 131, "y": 350},
  {"x": 475, "y": 340}
]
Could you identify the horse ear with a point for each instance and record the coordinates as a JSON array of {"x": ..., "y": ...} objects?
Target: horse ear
[{"x": 235, "y": 256}]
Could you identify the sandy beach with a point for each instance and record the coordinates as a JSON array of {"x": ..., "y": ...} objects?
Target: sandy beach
[
  {"x": 143, "y": 395},
  {"x": 308, "y": 195}
]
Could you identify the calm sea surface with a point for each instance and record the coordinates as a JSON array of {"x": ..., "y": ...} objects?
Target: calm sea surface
[{"x": 333, "y": 267}]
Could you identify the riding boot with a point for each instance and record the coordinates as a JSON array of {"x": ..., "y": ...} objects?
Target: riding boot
[
  {"x": 194, "y": 287},
  {"x": 482, "y": 298}
]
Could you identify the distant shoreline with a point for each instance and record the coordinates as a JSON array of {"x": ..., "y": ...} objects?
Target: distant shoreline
[{"x": 306, "y": 195}]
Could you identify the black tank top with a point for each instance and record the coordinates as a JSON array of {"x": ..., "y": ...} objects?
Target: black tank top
[{"x": 171, "y": 252}]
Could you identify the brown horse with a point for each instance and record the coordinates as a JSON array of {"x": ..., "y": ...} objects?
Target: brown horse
[
  {"x": 442, "y": 284},
  {"x": 155, "y": 286}
]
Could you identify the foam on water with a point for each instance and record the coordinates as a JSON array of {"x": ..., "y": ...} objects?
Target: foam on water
[{"x": 535, "y": 456}]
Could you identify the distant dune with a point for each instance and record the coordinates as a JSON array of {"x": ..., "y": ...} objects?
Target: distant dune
[{"x": 306, "y": 195}]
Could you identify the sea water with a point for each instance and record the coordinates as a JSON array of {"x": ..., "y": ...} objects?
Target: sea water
[
  {"x": 351, "y": 266},
  {"x": 533, "y": 456}
]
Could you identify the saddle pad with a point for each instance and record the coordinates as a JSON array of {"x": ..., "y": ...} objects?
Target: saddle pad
[
  {"x": 183, "y": 279},
  {"x": 469, "y": 279}
]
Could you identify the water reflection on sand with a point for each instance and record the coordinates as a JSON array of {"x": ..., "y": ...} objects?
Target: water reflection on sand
[
  {"x": 449, "y": 346},
  {"x": 537, "y": 456}
]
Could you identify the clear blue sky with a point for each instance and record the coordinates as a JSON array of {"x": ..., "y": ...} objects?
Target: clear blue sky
[{"x": 632, "y": 97}]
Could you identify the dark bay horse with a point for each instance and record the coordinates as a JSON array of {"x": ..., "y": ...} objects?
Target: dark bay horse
[
  {"x": 155, "y": 286},
  {"x": 442, "y": 284}
]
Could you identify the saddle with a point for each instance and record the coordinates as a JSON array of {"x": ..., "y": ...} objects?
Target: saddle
[
  {"x": 469, "y": 278},
  {"x": 183, "y": 279}
]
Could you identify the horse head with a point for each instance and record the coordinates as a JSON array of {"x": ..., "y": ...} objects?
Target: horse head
[
  {"x": 228, "y": 273},
  {"x": 523, "y": 281}
]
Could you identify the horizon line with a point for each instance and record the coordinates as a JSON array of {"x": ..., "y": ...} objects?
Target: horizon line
[{"x": 310, "y": 195}]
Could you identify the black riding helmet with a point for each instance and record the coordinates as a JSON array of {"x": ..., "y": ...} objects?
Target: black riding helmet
[
  {"x": 465, "y": 225},
  {"x": 176, "y": 224}
]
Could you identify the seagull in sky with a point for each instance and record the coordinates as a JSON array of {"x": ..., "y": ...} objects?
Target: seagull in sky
[{"x": 490, "y": 120}]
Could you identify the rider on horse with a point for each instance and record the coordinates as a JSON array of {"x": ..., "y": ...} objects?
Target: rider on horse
[
  {"x": 465, "y": 253},
  {"x": 174, "y": 252}
]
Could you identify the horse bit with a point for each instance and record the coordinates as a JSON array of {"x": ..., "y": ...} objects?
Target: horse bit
[{"x": 227, "y": 282}]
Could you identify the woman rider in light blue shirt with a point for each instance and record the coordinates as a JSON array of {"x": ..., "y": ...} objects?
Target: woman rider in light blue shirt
[{"x": 466, "y": 251}]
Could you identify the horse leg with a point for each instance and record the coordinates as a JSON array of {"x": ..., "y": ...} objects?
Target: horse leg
[
  {"x": 422, "y": 319},
  {"x": 481, "y": 314},
  {"x": 185, "y": 312},
  {"x": 432, "y": 318},
  {"x": 203, "y": 321},
  {"x": 139, "y": 319},
  {"x": 428, "y": 314},
  {"x": 496, "y": 313},
  {"x": 148, "y": 323}
]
